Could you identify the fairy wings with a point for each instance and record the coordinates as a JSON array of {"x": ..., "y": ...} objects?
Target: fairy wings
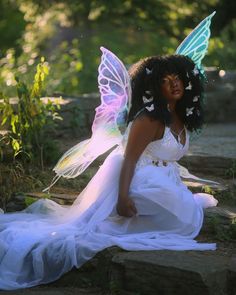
[{"x": 115, "y": 90}]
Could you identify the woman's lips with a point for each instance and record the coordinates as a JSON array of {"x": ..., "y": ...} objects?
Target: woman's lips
[{"x": 176, "y": 92}]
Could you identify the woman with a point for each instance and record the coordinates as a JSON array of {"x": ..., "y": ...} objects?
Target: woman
[
  {"x": 166, "y": 105},
  {"x": 161, "y": 97}
]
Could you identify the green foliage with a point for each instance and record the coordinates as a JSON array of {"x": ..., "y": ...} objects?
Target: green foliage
[
  {"x": 232, "y": 231},
  {"x": 31, "y": 121},
  {"x": 220, "y": 231},
  {"x": 222, "y": 48},
  {"x": 29, "y": 201},
  {"x": 132, "y": 29},
  {"x": 15, "y": 178},
  {"x": 64, "y": 58},
  {"x": 230, "y": 172},
  {"x": 115, "y": 287},
  {"x": 66, "y": 65},
  {"x": 124, "y": 42},
  {"x": 10, "y": 15},
  {"x": 208, "y": 190}
]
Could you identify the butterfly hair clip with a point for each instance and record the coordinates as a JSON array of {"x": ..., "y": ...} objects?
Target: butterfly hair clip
[
  {"x": 147, "y": 97},
  {"x": 189, "y": 87},
  {"x": 148, "y": 92},
  {"x": 150, "y": 108},
  {"x": 189, "y": 111},
  {"x": 147, "y": 100},
  {"x": 148, "y": 71},
  {"x": 195, "y": 71}
]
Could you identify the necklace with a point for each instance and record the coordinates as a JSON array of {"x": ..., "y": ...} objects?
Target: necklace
[{"x": 177, "y": 135}]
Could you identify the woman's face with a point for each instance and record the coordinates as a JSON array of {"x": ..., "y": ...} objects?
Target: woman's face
[{"x": 172, "y": 87}]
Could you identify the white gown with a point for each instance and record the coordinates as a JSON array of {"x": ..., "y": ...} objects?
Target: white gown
[{"x": 46, "y": 240}]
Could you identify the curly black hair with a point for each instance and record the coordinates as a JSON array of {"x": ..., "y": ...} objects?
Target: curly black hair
[{"x": 146, "y": 78}]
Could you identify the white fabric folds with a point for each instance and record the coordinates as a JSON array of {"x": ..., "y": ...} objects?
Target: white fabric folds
[{"x": 46, "y": 240}]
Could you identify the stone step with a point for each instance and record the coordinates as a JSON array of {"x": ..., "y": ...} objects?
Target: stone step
[
  {"x": 175, "y": 272},
  {"x": 62, "y": 199},
  {"x": 226, "y": 214},
  {"x": 216, "y": 166},
  {"x": 22, "y": 200},
  {"x": 157, "y": 272},
  {"x": 55, "y": 291},
  {"x": 221, "y": 222}
]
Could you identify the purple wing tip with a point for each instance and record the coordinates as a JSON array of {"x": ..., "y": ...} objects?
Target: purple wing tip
[{"x": 103, "y": 49}]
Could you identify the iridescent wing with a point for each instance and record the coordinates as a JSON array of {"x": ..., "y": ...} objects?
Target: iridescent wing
[
  {"x": 196, "y": 43},
  {"x": 115, "y": 90}
]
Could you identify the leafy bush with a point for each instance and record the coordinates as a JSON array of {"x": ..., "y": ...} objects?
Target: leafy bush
[
  {"x": 31, "y": 121},
  {"x": 14, "y": 179}
]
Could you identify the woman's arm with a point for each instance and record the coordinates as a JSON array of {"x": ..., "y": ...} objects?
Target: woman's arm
[{"x": 142, "y": 132}]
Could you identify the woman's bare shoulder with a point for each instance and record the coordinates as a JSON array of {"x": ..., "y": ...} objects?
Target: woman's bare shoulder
[
  {"x": 143, "y": 124},
  {"x": 143, "y": 131}
]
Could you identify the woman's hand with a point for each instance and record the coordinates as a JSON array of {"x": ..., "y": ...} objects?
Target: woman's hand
[{"x": 126, "y": 207}]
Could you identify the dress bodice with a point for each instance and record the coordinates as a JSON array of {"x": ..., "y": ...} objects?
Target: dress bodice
[{"x": 165, "y": 149}]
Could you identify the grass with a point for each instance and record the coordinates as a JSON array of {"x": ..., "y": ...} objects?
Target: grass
[{"x": 18, "y": 180}]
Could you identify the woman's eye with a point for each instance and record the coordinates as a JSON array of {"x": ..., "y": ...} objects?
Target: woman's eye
[
  {"x": 170, "y": 80},
  {"x": 165, "y": 81}
]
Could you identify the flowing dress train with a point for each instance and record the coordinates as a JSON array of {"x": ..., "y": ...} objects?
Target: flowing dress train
[{"x": 42, "y": 242}]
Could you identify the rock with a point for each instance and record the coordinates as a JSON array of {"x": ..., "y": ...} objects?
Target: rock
[
  {"x": 20, "y": 198},
  {"x": 55, "y": 291},
  {"x": 77, "y": 114},
  {"x": 17, "y": 203},
  {"x": 21, "y": 201},
  {"x": 231, "y": 288},
  {"x": 62, "y": 199},
  {"x": 172, "y": 272},
  {"x": 226, "y": 214},
  {"x": 95, "y": 272},
  {"x": 218, "y": 220},
  {"x": 207, "y": 164},
  {"x": 14, "y": 206}
]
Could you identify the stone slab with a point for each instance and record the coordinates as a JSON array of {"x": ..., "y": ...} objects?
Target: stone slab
[
  {"x": 173, "y": 272},
  {"x": 226, "y": 213},
  {"x": 216, "y": 140},
  {"x": 67, "y": 197},
  {"x": 54, "y": 291}
]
